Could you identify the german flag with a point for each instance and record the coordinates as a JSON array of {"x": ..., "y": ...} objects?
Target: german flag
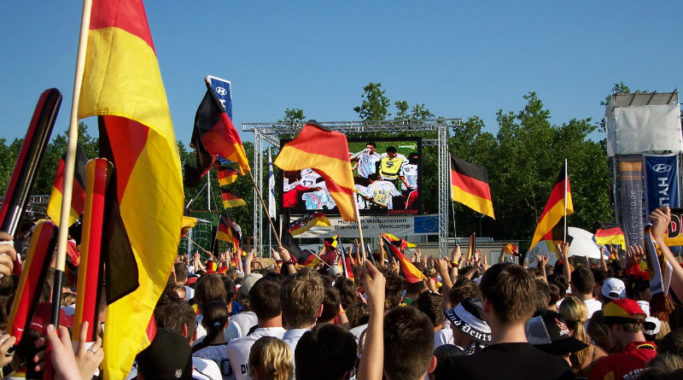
[
  {"x": 311, "y": 260},
  {"x": 224, "y": 232},
  {"x": 470, "y": 186},
  {"x": 554, "y": 209},
  {"x": 230, "y": 200},
  {"x": 54, "y": 207},
  {"x": 225, "y": 176},
  {"x": 214, "y": 134},
  {"x": 400, "y": 243},
  {"x": 611, "y": 234},
  {"x": 122, "y": 85},
  {"x": 345, "y": 265},
  {"x": 409, "y": 271},
  {"x": 187, "y": 224},
  {"x": 328, "y": 153}
]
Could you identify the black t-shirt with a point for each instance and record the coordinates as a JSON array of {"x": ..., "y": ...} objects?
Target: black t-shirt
[{"x": 508, "y": 361}]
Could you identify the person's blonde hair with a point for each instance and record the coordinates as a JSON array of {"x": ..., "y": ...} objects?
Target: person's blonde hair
[
  {"x": 575, "y": 313},
  {"x": 272, "y": 357}
]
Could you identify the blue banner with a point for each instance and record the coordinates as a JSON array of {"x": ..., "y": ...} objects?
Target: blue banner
[
  {"x": 661, "y": 179},
  {"x": 223, "y": 89}
]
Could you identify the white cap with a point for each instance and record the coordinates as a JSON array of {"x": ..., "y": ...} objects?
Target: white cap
[{"x": 613, "y": 288}]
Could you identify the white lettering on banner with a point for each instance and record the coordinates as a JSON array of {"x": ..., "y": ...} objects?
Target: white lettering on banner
[
  {"x": 663, "y": 185},
  {"x": 372, "y": 225}
]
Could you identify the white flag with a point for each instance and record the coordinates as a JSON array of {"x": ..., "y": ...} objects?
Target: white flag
[{"x": 271, "y": 188}]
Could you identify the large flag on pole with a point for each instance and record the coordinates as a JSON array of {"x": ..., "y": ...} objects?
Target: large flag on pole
[
  {"x": 272, "y": 214},
  {"x": 54, "y": 207},
  {"x": 558, "y": 206},
  {"x": 214, "y": 134},
  {"x": 122, "y": 84},
  {"x": 470, "y": 186},
  {"x": 327, "y": 153}
]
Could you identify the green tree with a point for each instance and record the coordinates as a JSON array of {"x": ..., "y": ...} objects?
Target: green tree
[
  {"x": 525, "y": 164},
  {"x": 375, "y": 105},
  {"x": 54, "y": 152},
  {"x": 293, "y": 115}
]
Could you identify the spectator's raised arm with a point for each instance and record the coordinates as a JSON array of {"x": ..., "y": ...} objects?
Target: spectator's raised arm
[
  {"x": 661, "y": 218},
  {"x": 372, "y": 357}
]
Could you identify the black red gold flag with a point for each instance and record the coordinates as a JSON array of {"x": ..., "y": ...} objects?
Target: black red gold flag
[{"x": 470, "y": 186}]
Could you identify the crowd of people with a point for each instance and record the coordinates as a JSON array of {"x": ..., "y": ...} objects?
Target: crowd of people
[{"x": 465, "y": 320}]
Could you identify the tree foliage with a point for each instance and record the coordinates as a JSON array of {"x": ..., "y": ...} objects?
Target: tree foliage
[
  {"x": 293, "y": 115},
  {"x": 375, "y": 105}
]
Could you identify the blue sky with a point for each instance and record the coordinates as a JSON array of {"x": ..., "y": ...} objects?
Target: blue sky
[{"x": 459, "y": 58}]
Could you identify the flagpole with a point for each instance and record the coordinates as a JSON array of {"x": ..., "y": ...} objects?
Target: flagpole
[
  {"x": 565, "y": 201},
  {"x": 208, "y": 191},
  {"x": 70, "y": 163},
  {"x": 265, "y": 208}
]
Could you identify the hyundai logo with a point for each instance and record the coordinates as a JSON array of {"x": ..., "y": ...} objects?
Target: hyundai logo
[
  {"x": 221, "y": 91},
  {"x": 661, "y": 168}
]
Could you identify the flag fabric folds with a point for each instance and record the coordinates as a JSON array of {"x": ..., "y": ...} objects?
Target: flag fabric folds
[
  {"x": 122, "y": 84},
  {"x": 214, "y": 134},
  {"x": 225, "y": 176},
  {"x": 326, "y": 152},
  {"x": 308, "y": 221},
  {"x": 408, "y": 269},
  {"x": 54, "y": 207},
  {"x": 400, "y": 243},
  {"x": 230, "y": 200},
  {"x": 224, "y": 232},
  {"x": 470, "y": 186},
  {"x": 610, "y": 235},
  {"x": 227, "y": 233},
  {"x": 554, "y": 209}
]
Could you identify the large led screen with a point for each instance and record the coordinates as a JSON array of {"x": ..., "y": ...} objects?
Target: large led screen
[{"x": 387, "y": 175}]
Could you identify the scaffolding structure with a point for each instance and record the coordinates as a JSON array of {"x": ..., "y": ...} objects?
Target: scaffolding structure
[{"x": 272, "y": 133}]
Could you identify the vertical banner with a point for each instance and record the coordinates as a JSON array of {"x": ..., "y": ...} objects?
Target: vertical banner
[
  {"x": 661, "y": 181},
  {"x": 631, "y": 183},
  {"x": 223, "y": 90}
]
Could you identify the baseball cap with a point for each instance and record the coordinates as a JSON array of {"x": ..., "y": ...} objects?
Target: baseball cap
[
  {"x": 249, "y": 281},
  {"x": 169, "y": 356},
  {"x": 613, "y": 288},
  {"x": 468, "y": 317},
  {"x": 548, "y": 332},
  {"x": 334, "y": 270}
]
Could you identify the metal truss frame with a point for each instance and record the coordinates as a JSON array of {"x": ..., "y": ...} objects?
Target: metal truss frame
[{"x": 272, "y": 132}]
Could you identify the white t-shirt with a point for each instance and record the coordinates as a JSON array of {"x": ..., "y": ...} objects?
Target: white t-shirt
[
  {"x": 189, "y": 293},
  {"x": 205, "y": 369},
  {"x": 367, "y": 162},
  {"x": 219, "y": 354},
  {"x": 238, "y": 349},
  {"x": 592, "y": 305},
  {"x": 409, "y": 172},
  {"x": 382, "y": 191},
  {"x": 443, "y": 336},
  {"x": 240, "y": 324}
]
